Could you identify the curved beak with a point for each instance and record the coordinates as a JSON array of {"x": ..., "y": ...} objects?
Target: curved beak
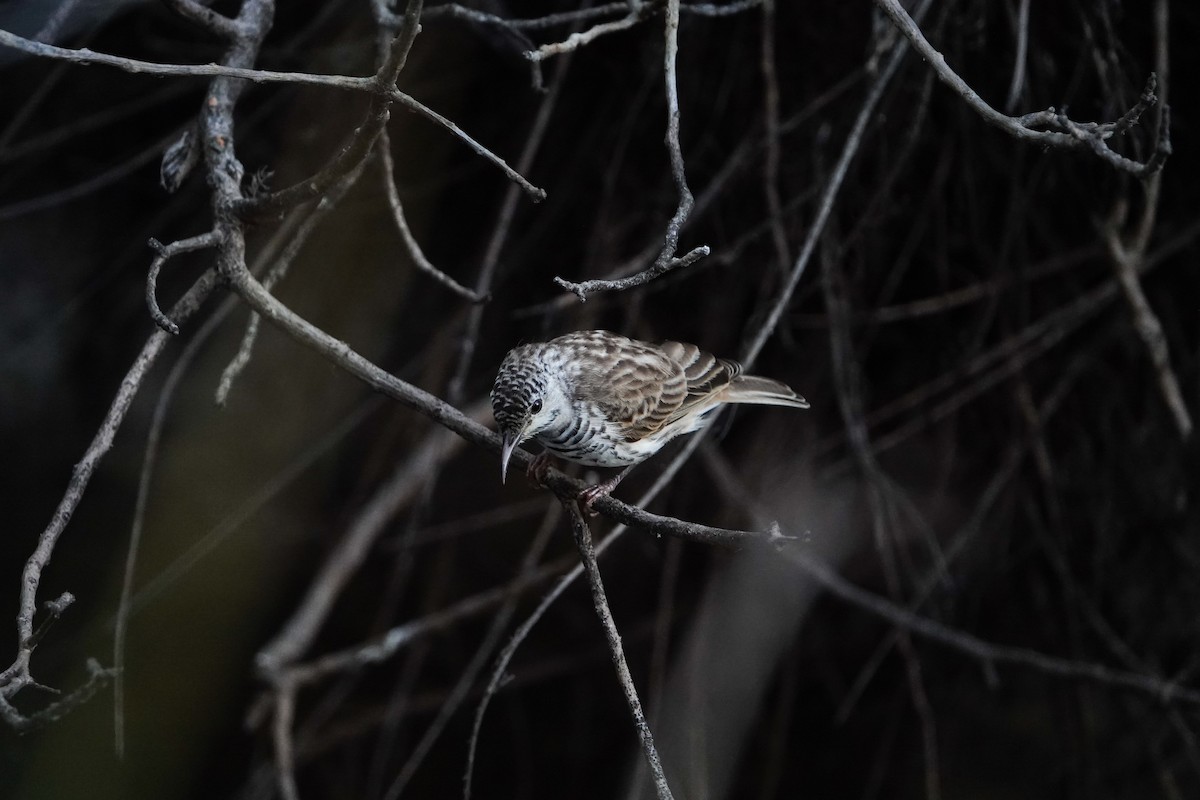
[{"x": 510, "y": 444}]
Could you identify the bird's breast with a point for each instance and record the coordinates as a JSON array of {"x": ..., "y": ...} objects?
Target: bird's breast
[{"x": 586, "y": 437}]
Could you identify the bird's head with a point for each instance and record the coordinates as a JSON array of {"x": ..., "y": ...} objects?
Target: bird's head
[{"x": 522, "y": 401}]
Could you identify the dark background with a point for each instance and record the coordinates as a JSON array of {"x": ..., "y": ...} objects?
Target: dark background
[{"x": 1045, "y": 501}]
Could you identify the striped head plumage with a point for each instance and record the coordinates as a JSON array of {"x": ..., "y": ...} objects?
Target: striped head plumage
[{"x": 602, "y": 399}]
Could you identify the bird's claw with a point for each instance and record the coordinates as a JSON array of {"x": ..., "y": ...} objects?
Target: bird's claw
[
  {"x": 589, "y": 496},
  {"x": 538, "y": 468}
]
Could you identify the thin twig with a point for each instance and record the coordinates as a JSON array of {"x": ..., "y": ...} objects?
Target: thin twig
[
  {"x": 292, "y": 236},
  {"x": 17, "y": 676},
  {"x": 412, "y": 104},
  {"x": 1018, "y": 75},
  {"x": 581, "y": 38},
  {"x": 1145, "y": 322},
  {"x": 828, "y": 196},
  {"x": 771, "y": 127},
  {"x": 666, "y": 260},
  {"x": 303, "y": 191},
  {"x": 85, "y": 56},
  {"x": 707, "y": 198},
  {"x": 848, "y": 382},
  {"x": 587, "y": 553},
  {"x": 500, "y": 669},
  {"x": 1128, "y": 254},
  {"x": 205, "y": 17},
  {"x": 456, "y": 387},
  {"x": 104, "y": 179},
  {"x": 149, "y": 459},
  {"x": 165, "y": 253},
  {"x": 360, "y": 142},
  {"x": 387, "y": 172},
  {"x": 989, "y": 654},
  {"x": 1070, "y": 135},
  {"x": 281, "y": 740},
  {"x": 484, "y": 651},
  {"x": 339, "y": 567},
  {"x": 382, "y": 647},
  {"x": 581, "y": 290}
]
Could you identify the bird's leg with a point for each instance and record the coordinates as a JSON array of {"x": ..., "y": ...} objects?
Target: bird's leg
[
  {"x": 536, "y": 471},
  {"x": 593, "y": 493}
]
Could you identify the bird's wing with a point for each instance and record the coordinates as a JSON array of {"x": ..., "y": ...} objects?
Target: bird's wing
[
  {"x": 635, "y": 384},
  {"x": 664, "y": 384},
  {"x": 646, "y": 387},
  {"x": 704, "y": 374}
]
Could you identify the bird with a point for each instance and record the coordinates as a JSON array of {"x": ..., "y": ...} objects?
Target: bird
[{"x": 604, "y": 400}]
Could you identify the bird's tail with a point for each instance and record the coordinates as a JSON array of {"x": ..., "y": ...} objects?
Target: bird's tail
[{"x": 761, "y": 391}]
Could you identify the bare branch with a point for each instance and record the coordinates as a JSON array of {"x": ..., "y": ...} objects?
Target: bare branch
[
  {"x": 989, "y": 654},
  {"x": 355, "y": 151},
  {"x": 536, "y": 194},
  {"x": 666, "y": 260},
  {"x": 288, "y": 241},
  {"x": 581, "y": 290},
  {"x": 1018, "y": 75},
  {"x": 1127, "y": 255},
  {"x": 495, "y": 630},
  {"x": 637, "y": 13},
  {"x": 98, "y": 678},
  {"x": 17, "y": 676},
  {"x": 458, "y": 11},
  {"x": 300, "y": 192},
  {"x": 829, "y": 196},
  {"x": 85, "y": 56},
  {"x": 165, "y": 253},
  {"x": 205, "y": 17},
  {"x": 104, "y": 179},
  {"x": 1071, "y": 135},
  {"x": 587, "y": 554},
  {"x": 387, "y": 169}
]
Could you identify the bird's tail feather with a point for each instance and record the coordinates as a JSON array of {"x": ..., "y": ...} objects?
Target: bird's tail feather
[{"x": 762, "y": 391}]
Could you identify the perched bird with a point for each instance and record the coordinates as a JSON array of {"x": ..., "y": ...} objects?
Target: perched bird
[{"x": 604, "y": 400}]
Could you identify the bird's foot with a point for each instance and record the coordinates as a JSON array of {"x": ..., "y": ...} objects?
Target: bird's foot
[
  {"x": 538, "y": 467},
  {"x": 591, "y": 494}
]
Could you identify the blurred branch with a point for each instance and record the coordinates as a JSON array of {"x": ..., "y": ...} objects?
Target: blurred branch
[
  {"x": 1018, "y": 74},
  {"x": 496, "y": 629},
  {"x": 501, "y": 231},
  {"x": 205, "y": 17},
  {"x": 988, "y": 654},
  {"x": 1129, "y": 253},
  {"x": 829, "y": 195}
]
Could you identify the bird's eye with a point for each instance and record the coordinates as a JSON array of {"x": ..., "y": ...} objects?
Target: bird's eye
[{"x": 535, "y": 406}]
